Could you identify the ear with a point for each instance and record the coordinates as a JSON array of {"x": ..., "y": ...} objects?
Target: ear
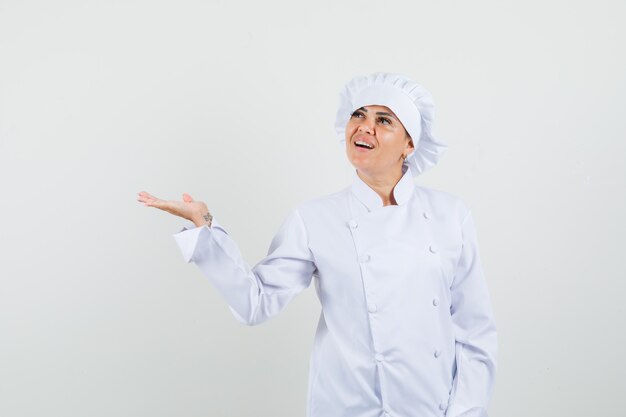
[{"x": 410, "y": 144}]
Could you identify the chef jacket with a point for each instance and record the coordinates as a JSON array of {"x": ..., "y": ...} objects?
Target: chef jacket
[{"x": 406, "y": 327}]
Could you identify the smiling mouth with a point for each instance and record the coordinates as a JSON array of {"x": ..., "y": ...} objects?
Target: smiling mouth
[{"x": 363, "y": 145}]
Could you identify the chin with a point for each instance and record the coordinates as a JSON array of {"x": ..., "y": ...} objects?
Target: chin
[
  {"x": 358, "y": 163},
  {"x": 363, "y": 168}
]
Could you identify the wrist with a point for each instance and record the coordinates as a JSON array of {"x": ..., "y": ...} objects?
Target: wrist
[{"x": 204, "y": 219}]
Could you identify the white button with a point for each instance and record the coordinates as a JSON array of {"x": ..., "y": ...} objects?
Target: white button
[
  {"x": 353, "y": 224},
  {"x": 432, "y": 249},
  {"x": 437, "y": 353},
  {"x": 371, "y": 307},
  {"x": 364, "y": 258},
  {"x": 435, "y": 301},
  {"x": 443, "y": 406},
  {"x": 379, "y": 357},
  {"x": 426, "y": 216}
]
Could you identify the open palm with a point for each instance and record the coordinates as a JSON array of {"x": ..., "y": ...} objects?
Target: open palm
[{"x": 187, "y": 209}]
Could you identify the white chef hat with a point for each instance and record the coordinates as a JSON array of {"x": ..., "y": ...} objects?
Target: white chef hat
[{"x": 411, "y": 102}]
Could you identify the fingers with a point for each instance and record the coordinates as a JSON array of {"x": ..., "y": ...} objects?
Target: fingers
[
  {"x": 172, "y": 207},
  {"x": 148, "y": 200},
  {"x": 145, "y": 195},
  {"x": 184, "y": 209},
  {"x": 178, "y": 208}
]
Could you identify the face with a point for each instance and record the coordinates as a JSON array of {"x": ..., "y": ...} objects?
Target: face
[{"x": 379, "y": 127}]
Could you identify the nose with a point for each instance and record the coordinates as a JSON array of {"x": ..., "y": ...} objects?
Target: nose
[{"x": 365, "y": 127}]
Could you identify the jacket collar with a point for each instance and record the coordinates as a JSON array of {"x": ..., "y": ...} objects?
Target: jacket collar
[{"x": 402, "y": 191}]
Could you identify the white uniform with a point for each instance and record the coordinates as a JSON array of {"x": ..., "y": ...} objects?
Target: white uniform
[{"x": 406, "y": 328}]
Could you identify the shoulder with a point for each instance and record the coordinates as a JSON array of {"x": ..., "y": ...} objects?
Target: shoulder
[
  {"x": 327, "y": 202},
  {"x": 323, "y": 211}
]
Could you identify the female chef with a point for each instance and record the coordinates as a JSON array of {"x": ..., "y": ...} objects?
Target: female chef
[{"x": 406, "y": 327}]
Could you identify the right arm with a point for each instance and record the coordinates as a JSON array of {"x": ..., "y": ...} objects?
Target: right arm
[
  {"x": 253, "y": 294},
  {"x": 258, "y": 293}
]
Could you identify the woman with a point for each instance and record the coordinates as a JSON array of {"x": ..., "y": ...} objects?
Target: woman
[{"x": 406, "y": 328}]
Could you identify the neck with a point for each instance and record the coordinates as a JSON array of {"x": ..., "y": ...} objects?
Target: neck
[{"x": 382, "y": 183}]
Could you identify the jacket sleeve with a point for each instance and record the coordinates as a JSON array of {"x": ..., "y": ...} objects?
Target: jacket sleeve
[
  {"x": 258, "y": 293},
  {"x": 475, "y": 332}
]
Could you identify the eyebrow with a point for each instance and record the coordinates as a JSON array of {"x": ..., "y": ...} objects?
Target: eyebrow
[{"x": 382, "y": 113}]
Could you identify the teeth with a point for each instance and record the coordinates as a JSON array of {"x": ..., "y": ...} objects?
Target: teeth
[{"x": 360, "y": 142}]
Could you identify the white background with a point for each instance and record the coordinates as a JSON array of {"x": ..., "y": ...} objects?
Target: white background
[{"x": 234, "y": 102}]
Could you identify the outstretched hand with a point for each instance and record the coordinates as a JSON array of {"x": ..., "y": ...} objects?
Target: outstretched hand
[{"x": 195, "y": 211}]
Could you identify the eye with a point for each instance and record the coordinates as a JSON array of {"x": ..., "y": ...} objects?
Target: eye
[
  {"x": 357, "y": 113},
  {"x": 384, "y": 120}
]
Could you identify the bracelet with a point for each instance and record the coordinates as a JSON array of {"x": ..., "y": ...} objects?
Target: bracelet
[{"x": 208, "y": 218}]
